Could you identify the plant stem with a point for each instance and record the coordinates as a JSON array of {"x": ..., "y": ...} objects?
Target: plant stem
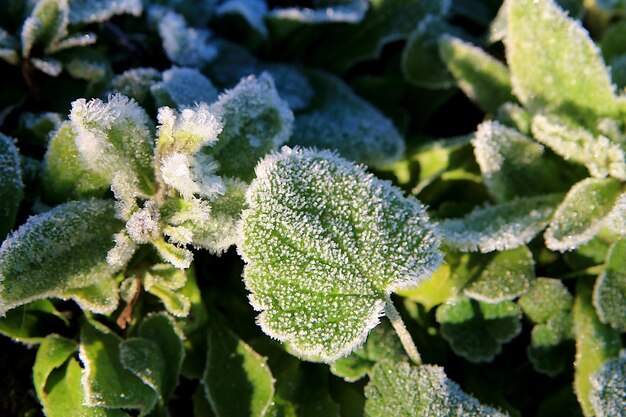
[{"x": 403, "y": 333}]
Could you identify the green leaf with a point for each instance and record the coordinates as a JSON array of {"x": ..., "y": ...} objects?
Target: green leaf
[
  {"x": 608, "y": 388},
  {"x": 46, "y": 25},
  {"x": 582, "y": 214},
  {"x": 596, "y": 343},
  {"x": 37, "y": 127},
  {"x": 514, "y": 116},
  {"x": 101, "y": 298},
  {"x": 136, "y": 83},
  {"x": 145, "y": 360},
  {"x": 325, "y": 243},
  {"x": 90, "y": 11},
  {"x": 505, "y": 276},
  {"x": 237, "y": 380},
  {"x": 545, "y": 298},
  {"x": 550, "y": 350},
  {"x": 340, "y": 120},
  {"x": 550, "y": 57},
  {"x": 115, "y": 141},
  {"x": 477, "y": 330},
  {"x": 32, "y": 322},
  {"x": 175, "y": 303},
  {"x": 512, "y": 164},
  {"x": 482, "y": 78},
  {"x": 9, "y": 48},
  {"x": 183, "y": 87},
  {"x": 609, "y": 292},
  {"x": 53, "y": 352},
  {"x": 256, "y": 122},
  {"x": 612, "y": 42},
  {"x": 500, "y": 227},
  {"x": 187, "y": 131},
  {"x": 11, "y": 184},
  {"x": 381, "y": 344},
  {"x": 402, "y": 390},
  {"x": 106, "y": 381},
  {"x": 601, "y": 156},
  {"x": 62, "y": 249}
]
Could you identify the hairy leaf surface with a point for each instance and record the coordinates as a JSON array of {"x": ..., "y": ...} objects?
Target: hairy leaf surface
[{"x": 11, "y": 184}]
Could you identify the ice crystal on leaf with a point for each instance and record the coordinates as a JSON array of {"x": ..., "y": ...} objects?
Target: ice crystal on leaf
[
  {"x": 89, "y": 11},
  {"x": 325, "y": 243},
  {"x": 609, "y": 293},
  {"x": 183, "y": 87},
  {"x": 188, "y": 130},
  {"x": 608, "y": 393},
  {"x": 11, "y": 184}
]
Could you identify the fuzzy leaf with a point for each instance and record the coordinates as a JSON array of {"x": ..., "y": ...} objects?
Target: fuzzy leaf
[
  {"x": 187, "y": 131},
  {"x": 66, "y": 176},
  {"x": 550, "y": 351},
  {"x": 350, "y": 11},
  {"x": 90, "y": 11},
  {"x": 321, "y": 263},
  {"x": 46, "y": 25},
  {"x": 340, "y": 120},
  {"x": 482, "y": 78},
  {"x": 114, "y": 140},
  {"x": 101, "y": 298},
  {"x": 107, "y": 383},
  {"x": 545, "y": 298},
  {"x": 256, "y": 122},
  {"x": 596, "y": 343},
  {"x": 609, "y": 293},
  {"x": 11, "y": 184},
  {"x": 550, "y": 57},
  {"x": 32, "y": 322},
  {"x": 500, "y": 227},
  {"x": 477, "y": 330},
  {"x": 59, "y": 250},
  {"x": 237, "y": 380},
  {"x": 608, "y": 394},
  {"x": 506, "y": 276},
  {"x": 582, "y": 214},
  {"x": 402, "y": 390},
  {"x": 601, "y": 156},
  {"x": 512, "y": 164},
  {"x": 183, "y": 87}
]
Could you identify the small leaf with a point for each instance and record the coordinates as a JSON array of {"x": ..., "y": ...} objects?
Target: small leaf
[
  {"x": 321, "y": 264},
  {"x": 340, "y": 120},
  {"x": 114, "y": 140},
  {"x": 477, "y": 330},
  {"x": 482, "y": 78},
  {"x": 53, "y": 352},
  {"x": 90, "y": 11},
  {"x": 46, "y": 25},
  {"x": 545, "y": 298},
  {"x": 514, "y": 116},
  {"x": 106, "y": 382},
  {"x": 32, "y": 322},
  {"x": 237, "y": 380},
  {"x": 9, "y": 48},
  {"x": 506, "y": 276},
  {"x": 256, "y": 122},
  {"x": 178, "y": 256},
  {"x": 550, "y": 56},
  {"x": 145, "y": 360},
  {"x": 292, "y": 85},
  {"x": 37, "y": 127},
  {"x": 350, "y": 11},
  {"x": 66, "y": 176},
  {"x": 512, "y": 164},
  {"x": 609, "y": 293},
  {"x": 402, "y": 390},
  {"x": 500, "y": 227},
  {"x": 183, "y": 87},
  {"x": 596, "y": 343},
  {"x": 101, "y": 298},
  {"x": 550, "y": 351},
  {"x": 11, "y": 184},
  {"x": 187, "y": 131},
  {"x": 601, "y": 156},
  {"x": 582, "y": 213},
  {"x": 252, "y": 12},
  {"x": 608, "y": 388},
  {"x": 59, "y": 250},
  {"x": 136, "y": 83}
]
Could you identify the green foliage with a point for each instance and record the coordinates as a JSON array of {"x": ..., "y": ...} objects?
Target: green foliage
[
  {"x": 609, "y": 295},
  {"x": 11, "y": 184},
  {"x": 609, "y": 384}
]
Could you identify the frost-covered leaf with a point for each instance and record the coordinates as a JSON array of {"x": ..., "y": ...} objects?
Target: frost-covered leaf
[
  {"x": 515, "y": 116},
  {"x": 65, "y": 175},
  {"x": 37, "y": 127},
  {"x": 183, "y": 87},
  {"x": 32, "y": 322},
  {"x": 83, "y": 39},
  {"x": 440, "y": 287},
  {"x": 9, "y": 48},
  {"x": 48, "y": 66},
  {"x": 183, "y": 45},
  {"x": 100, "y": 298},
  {"x": 340, "y": 120},
  {"x": 11, "y": 184},
  {"x": 292, "y": 85},
  {"x": 256, "y": 122},
  {"x": 582, "y": 213},
  {"x": 87, "y": 64},
  {"x": 382, "y": 344},
  {"x": 46, "y": 25},
  {"x": 165, "y": 288},
  {"x": 114, "y": 140},
  {"x": 477, "y": 330},
  {"x": 187, "y": 131},
  {"x": 230, "y": 365},
  {"x": 608, "y": 394},
  {"x": 53, "y": 352},
  {"x": 107, "y": 383},
  {"x": 251, "y": 11},
  {"x": 500, "y": 227},
  {"x": 482, "y": 78},
  {"x": 89, "y": 11},
  {"x": 551, "y": 350},
  {"x": 598, "y": 153},
  {"x": 616, "y": 221},
  {"x": 136, "y": 83},
  {"x": 219, "y": 231},
  {"x": 596, "y": 343},
  {"x": 421, "y": 64},
  {"x": 338, "y": 11},
  {"x": 55, "y": 251},
  {"x": 550, "y": 57},
  {"x": 505, "y": 276},
  {"x": 609, "y": 293},
  {"x": 402, "y": 390},
  {"x": 145, "y": 360},
  {"x": 545, "y": 298},
  {"x": 333, "y": 250},
  {"x": 512, "y": 164}
]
